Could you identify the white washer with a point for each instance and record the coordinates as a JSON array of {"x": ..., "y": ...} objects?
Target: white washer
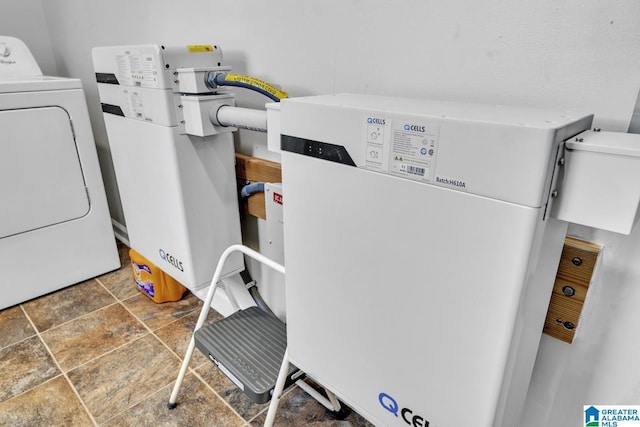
[{"x": 55, "y": 228}]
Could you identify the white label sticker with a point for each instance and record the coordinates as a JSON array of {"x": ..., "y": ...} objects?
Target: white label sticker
[
  {"x": 413, "y": 150},
  {"x": 135, "y": 69},
  {"x": 133, "y": 106},
  {"x": 377, "y": 144},
  {"x": 124, "y": 70},
  {"x": 149, "y": 72},
  {"x": 404, "y": 147}
]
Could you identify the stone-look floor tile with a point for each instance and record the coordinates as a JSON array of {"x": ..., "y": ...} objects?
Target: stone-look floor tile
[
  {"x": 120, "y": 282},
  {"x": 177, "y": 335},
  {"x": 14, "y": 326},
  {"x": 50, "y": 404},
  {"x": 90, "y": 336},
  {"x": 120, "y": 379},
  {"x": 158, "y": 315},
  {"x": 235, "y": 397},
  {"x": 67, "y": 304},
  {"x": 297, "y": 408},
  {"x": 23, "y": 366},
  {"x": 197, "y": 406}
]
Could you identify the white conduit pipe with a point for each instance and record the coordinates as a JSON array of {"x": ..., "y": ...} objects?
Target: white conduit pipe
[{"x": 244, "y": 118}]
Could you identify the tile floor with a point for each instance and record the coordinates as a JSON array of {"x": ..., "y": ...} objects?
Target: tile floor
[{"x": 99, "y": 353}]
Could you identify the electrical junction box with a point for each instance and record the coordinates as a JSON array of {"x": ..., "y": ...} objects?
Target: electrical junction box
[
  {"x": 273, "y": 126},
  {"x": 178, "y": 190},
  {"x": 416, "y": 243},
  {"x": 599, "y": 187}
]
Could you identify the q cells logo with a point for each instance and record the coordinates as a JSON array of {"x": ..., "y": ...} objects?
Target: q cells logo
[
  {"x": 415, "y": 128},
  {"x": 375, "y": 121},
  {"x": 391, "y": 405},
  {"x": 171, "y": 259}
]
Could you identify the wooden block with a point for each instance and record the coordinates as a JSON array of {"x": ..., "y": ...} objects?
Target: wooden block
[
  {"x": 570, "y": 288},
  {"x": 254, "y": 169},
  {"x": 579, "y": 289},
  {"x": 578, "y": 260},
  {"x": 256, "y": 207},
  {"x": 554, "y": 325},
  {"x": 257, "y": 170}
]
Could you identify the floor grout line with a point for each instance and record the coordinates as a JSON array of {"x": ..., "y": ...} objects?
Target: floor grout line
[
  {"x": 147, "y": 329},
  {"x": 117, "y": 302},
  {"x": 24, "y": 310},
  {"x": 113, "y": 351},
  {"x": 180, "y": 359},
  {"x": 214, "y": 391},
  {"x": 35, "y": 332},
  {"x": 136, "y": 403},
  {"x": 191, "y": 369},
  {"x": 82, "y": 316},
  {"x": 62, "y": 372}
]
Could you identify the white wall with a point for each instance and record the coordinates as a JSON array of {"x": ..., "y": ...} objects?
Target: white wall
[
  {"x": 25, "y": 20},
  {"x": 571, "y": 54}
]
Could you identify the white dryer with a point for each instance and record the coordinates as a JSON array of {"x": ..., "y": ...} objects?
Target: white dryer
[{"x": 55, "y": 228}]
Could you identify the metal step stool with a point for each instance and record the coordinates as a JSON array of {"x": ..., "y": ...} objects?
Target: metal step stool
[{"x": 248, "y": 346}]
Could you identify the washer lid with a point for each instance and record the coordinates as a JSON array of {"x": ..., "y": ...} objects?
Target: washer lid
[
  {"x": 37, "y": 83},
  {"x": 41, "y": 179}
]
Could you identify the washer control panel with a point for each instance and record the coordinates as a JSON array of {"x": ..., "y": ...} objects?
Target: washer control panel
[{"x": 16, "y": 59}]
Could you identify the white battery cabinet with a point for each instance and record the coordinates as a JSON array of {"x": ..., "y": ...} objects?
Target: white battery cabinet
[
  {"x": 419, "y": 251},
  {"x": 178, "y": 190}
]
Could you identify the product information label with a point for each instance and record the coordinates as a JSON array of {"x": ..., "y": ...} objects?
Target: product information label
[
  {"x": 133, "y": 106},
  {"x": 403, "y": 147},
  {"x": 135, "y": 69},
  {"x": 377, "y": 143},
  {"x": 413, "y": 150}
]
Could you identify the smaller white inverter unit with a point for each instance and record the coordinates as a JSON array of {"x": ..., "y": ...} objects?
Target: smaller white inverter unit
[{"x": 176, "y": 179}]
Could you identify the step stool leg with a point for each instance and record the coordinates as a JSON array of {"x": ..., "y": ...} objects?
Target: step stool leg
[
  {"x": 183, "y": 370},
  {"x": 192, "y": 344},
  {"x": 277, "y": 391},
  {"x": 334, "y": 400},
  {"x": 330, "y": 402}
]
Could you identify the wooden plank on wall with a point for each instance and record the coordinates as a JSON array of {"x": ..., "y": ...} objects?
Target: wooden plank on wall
[
  {"x": 257, "y": 170},
  {"x": 254, "y": 169},
  {"x": 570, "y": 288}
]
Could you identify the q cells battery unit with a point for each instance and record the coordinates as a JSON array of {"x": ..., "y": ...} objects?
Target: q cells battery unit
[{"x": 427, "y": 261}]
